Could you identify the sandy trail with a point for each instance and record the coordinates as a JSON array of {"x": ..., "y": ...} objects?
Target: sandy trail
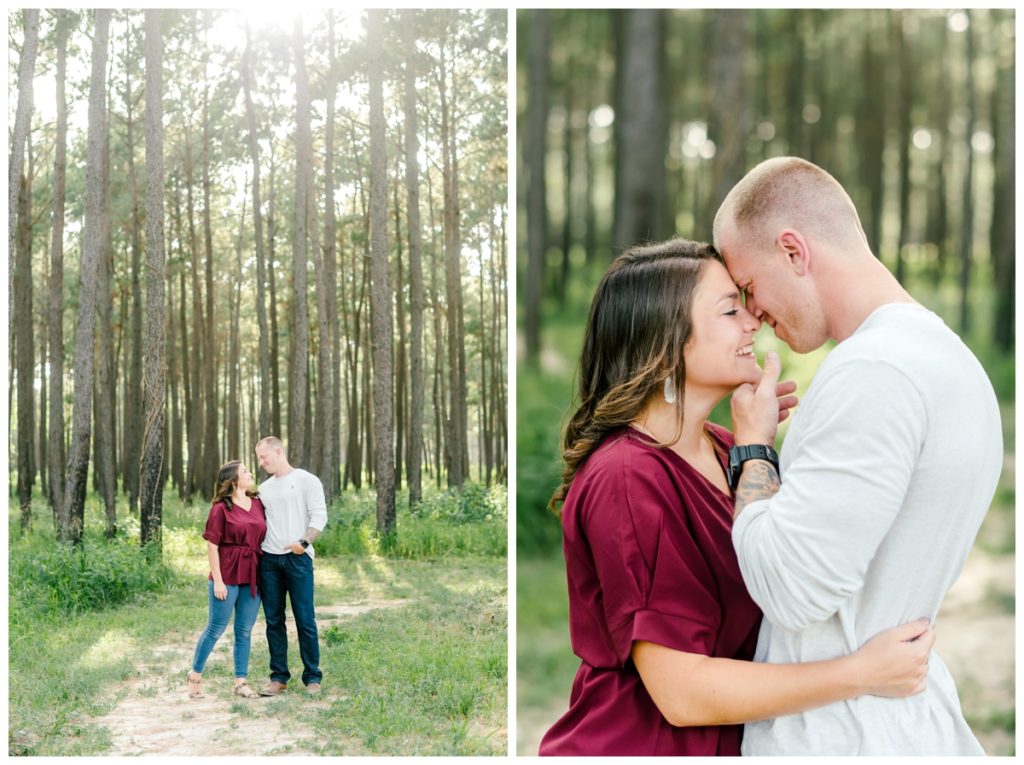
[{"x": 154, "y": 715}]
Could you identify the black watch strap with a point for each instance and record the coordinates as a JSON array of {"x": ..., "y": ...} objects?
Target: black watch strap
[
  {"x": 740, "y": 454},
  {"x": 304, "y": 543}
]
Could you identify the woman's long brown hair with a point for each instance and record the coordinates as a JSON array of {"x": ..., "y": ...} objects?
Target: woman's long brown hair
[
  {"x": 227, "y": 480},
  {"x": 639, "y": 322}
]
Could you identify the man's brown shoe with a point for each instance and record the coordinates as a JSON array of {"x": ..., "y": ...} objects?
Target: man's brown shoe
[
  {"x": 274, "y": 688},
  {"x": 313, "y": 689}
]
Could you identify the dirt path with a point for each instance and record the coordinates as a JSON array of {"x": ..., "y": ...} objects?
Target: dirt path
[{"x": 154, "y": 715}]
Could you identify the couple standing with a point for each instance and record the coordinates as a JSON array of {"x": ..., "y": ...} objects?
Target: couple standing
[
  {"x": 679, "y": 536},
  {"x": 261, "y": 545}
]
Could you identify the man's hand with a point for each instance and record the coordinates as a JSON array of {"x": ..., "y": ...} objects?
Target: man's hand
[
  {"x": 296, "y": 548},
  {"x": 758, "y": 410}
]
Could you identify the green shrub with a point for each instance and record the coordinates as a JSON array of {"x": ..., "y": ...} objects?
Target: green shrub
[
  {"x": 65, "y": 580},
  {"x": 472, "y": 521}
]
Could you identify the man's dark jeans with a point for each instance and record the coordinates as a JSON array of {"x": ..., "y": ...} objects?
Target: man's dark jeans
[{"x": 291, "y": 574}]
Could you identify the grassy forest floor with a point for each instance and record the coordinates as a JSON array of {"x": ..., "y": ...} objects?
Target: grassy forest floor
[{"x": 413, "y": 643}]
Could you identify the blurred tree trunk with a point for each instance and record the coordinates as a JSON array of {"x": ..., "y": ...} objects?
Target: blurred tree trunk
[
  {"x": 303, "y": 182},
  {"x": 104, "y": 400},
  {"x": 380, "y": 288},
  {"x": 795, "y": 99},
  {"x": 871, "y": 131},
  {"x": 901, "y": 45},
  {"x": 730, "y": 112},
  {"x": 641, "y": 131},
  {"x": 967, "y": 192},
  {"x": 55, "y": 443},
  {"x": 72, "y": 516},
  {"x": 16, "y": 166},
  {"x": 938, "y": 214},
  {"x": 1003, "y": 193},
  {"x": 152, "y": 462},
  {"x": 567, "y": 181},
  {"x": 25, "y": 344},
  {"x": 414, "y": 459},
  {"x": 257, "y": 214},
  {"x": 535, "y": 151}
]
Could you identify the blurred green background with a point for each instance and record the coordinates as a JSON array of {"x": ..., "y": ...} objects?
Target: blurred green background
[{"x": 634, "y": 124}]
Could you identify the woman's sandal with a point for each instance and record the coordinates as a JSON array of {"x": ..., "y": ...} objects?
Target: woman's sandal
[
  {"x": 243, "y": 690},
  {"x": 195, "y": 691}
]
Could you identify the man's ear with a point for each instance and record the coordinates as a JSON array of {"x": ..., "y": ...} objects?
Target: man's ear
[{"x": 793, "y": 246}]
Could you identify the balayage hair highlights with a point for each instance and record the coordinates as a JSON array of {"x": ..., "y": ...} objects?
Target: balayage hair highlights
[
  {"x": 639, "y": 322},
  {"x": 227, "y": 480}
]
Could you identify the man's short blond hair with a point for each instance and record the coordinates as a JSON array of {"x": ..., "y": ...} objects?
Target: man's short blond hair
[
  {"x": 272, "y": 441},
  {"x": 790, "y": 192}
]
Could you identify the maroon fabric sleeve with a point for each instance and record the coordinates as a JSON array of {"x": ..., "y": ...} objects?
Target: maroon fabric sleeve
[
  {"x": 215, "y": 524},
  {"x": 653, "y": 576}
]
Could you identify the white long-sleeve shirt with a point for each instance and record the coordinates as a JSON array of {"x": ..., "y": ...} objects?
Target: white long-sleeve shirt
[
  {"x": 294, "y": 502},
  {"x": 887, "y": 471}
]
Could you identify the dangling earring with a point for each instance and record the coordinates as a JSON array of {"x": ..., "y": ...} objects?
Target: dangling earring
[{"x": 670, "y": 390}]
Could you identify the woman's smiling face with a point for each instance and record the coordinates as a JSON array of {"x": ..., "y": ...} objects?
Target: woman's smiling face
[{"x": 720, "y": 352}]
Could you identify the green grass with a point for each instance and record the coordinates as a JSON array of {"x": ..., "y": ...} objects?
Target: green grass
[{"x": 427, "y": 676}]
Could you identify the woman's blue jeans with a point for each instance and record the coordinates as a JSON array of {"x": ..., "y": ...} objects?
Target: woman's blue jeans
[{"x": 246, "y": 609}]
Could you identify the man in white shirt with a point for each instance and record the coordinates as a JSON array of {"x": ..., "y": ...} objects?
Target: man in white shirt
[
  {"x": 887, "y": 470},
  {"x": 296, "y": 515}
]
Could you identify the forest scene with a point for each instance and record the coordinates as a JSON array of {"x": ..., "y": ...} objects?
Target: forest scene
[
  {"x": 633, "y": 125},
  {"x": 226, "y": 225}
]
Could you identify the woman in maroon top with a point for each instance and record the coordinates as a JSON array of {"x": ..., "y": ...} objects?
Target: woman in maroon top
[
  {"x": 658, "y": 612},
  {"x": 234, "y": 530}
]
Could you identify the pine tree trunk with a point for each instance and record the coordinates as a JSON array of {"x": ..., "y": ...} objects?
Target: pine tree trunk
[
  {"x": 151, "y": 470},
  {"x": 275, "y": 363},
  {"x": 257, "y": 214},
  {"x": 197, "y": 346},
  {"x": 55, "y": 451},
  {"x": 211, "y": 451},
  {"x": 414, "y": 459},
  {"x": 16, "y": 167},
  {"x": 78, "y": 454},
  {"x": 133, "y": 390},
  {"x": 327, "y": 309},
  {"x": 104, "y": 401},
  {"x": 25, "y": 346},
  {"x": 380, "y": 287},
  {"x": 234, "y": 397},
  {"x": 455, "y": 435},
  {"x": 303, "y": 175},
  {"x": 399, "y": 355}
]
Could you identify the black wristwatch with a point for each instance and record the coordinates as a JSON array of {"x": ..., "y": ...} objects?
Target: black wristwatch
[
  {"x": 740, "y": 454},
  {"x": 303, "y": 543}
]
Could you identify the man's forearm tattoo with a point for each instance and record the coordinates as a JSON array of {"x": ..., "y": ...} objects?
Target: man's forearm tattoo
[
  {"x": 759, "y": 480},
  {"x": 311, "y": 534}
]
